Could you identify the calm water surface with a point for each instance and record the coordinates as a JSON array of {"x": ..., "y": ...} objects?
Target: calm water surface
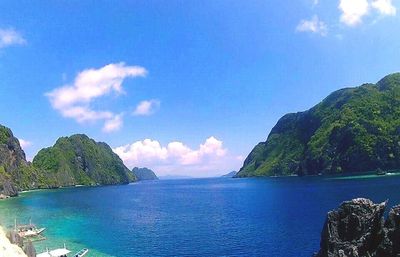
[{"x": 196, "y": 217}]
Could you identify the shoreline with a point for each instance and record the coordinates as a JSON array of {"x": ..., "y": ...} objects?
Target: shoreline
[{"x": 7, "y": 248}]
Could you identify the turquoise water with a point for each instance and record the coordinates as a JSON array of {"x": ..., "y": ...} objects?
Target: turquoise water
[{"x": 196, "y": 217}]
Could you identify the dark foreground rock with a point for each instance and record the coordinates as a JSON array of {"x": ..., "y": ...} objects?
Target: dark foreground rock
[
  {"x": 29, "y": 249},
  {"x": 358, "y": 229}
]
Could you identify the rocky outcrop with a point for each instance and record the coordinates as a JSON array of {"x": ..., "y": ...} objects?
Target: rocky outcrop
[
  {"x": 29, "y": 249},
  {"x": 9, "y": 189},
  {"x": 144, "y": 174},
  {"x": 15, "y": 172},
  {"x": 358, "y": 229}
]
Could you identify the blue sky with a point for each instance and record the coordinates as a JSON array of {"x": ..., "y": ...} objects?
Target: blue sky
[{"x": 183, "y": 87}]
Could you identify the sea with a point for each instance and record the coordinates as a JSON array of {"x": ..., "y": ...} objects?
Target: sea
[{"x": 193, "y": 217}]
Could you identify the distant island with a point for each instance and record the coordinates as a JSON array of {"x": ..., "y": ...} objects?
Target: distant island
[
  {"x": 230, "y": 174},
  {"x": 144, "y": 174},
  {"x": 352, "y": 130},
  {"x": 74, "y": 160}
]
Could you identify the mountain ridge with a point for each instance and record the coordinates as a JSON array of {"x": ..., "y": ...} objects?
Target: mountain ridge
[{"x": 352, "y": 130}]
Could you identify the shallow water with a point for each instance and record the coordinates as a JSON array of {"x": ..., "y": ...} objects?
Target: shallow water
[{"x": 195, "y": 217}]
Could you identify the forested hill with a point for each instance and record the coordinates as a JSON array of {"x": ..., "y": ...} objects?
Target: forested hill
[{"x": 352, "y": 130}]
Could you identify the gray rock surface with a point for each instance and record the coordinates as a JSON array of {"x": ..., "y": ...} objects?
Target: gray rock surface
[{"x": 358, "y": 229}]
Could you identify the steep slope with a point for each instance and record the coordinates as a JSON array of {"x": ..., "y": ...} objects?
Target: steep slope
[
  {"x": 144, "y": 174},
  {"x": 230, "y": 174},
  {"x": 78, "y": 160},
  {"x": 352, "y": 130},
  {"x": 15, "y": 172}
]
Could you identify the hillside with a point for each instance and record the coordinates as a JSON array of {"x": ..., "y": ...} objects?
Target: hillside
[
  {"x": 144, "y": 174},
  {"x": 15, "y": 172},
  {"x": 79, "y": 160},
  {"x": 352, "y": 130}
]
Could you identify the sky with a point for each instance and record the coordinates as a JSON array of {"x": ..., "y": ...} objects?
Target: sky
[{"x": 183, "y": 87}]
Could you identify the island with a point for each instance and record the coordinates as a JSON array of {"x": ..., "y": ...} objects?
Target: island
[
  {"x": 352, "y": 130},
  {"x": 71, "y": 161},
  {"x": 144, "y": 174}
]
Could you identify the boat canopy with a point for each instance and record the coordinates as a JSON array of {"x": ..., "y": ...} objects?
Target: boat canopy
[
  {"x": 55, "y": 253},
  {"x": 59, "y": 252}
]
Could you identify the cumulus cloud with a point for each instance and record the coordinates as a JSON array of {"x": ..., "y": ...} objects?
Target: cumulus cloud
[
  {"x": 146, "y": 107},
  {"x": 24, "y": 143},
  {"x": 10, "y": 37},
  {"x": 74, "y": 100},
  {"x": 353, "y": 11},
  {"x": 314, "y": 25},
  {"x": 176, "y": 158},
  {"x": 385, "y": 7}
]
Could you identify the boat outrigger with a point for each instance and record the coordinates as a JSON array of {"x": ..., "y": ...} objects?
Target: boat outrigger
[
  {"x": 62, "y": 252},
  {"x": 82, "y": 252},
  {"x": 29, "y": 231}
]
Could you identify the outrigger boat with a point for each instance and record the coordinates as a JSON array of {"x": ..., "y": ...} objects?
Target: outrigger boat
[
  {"x": 29, "y": 231},
  {"x": 62, "y": 252},
  {"x": 82, "y": 252}
]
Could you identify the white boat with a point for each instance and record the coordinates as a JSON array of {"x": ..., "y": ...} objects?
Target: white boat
[
  {"x": 29, "y": 230},
  {"x": 82, "y": 252},
  {"x": 61, "y": 252}
]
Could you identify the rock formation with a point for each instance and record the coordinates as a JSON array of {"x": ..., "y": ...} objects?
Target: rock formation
[
  {"x": 144, "y": 174},
  {"x": 358, "y": 229},
  {"x": 15, "y": 172}
]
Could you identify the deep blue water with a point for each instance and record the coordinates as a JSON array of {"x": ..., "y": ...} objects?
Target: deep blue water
[{"x": 195, "y": 217}]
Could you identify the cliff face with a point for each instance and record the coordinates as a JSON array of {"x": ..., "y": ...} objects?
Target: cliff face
[
  {"x": 79, "y": 160},
  {"x": 352, "y": 130},
  {"x": 15, "y": 172},
  {"x": 358, "y": 229},
  {"x": 144, "y": 174}
]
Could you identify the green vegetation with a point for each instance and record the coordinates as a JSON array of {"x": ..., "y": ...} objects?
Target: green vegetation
[
  {"x": 71, "y": 161},
  {"x": 144, "y": 174},
  {"x": 352, "y": 130},
  {"x": 79, "y": 160},
  {"x": 5, "y": 134}
]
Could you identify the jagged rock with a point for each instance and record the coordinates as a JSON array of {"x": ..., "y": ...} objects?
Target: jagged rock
[
  {"x": 390, "y": 246},
  {"x": 29, "y": 249},
  {"x": 15, "y": 172},
  {"x": 15, "y": 238},
  {"x": 9, "y": 188},
  {"x": 358, "y": 229}
]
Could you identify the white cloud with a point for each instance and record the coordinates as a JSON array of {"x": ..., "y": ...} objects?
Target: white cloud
[
  {"x": 113, "y": 124},
  {"x": 24, "y": 143},
  {"x": 176, "y": 158},
  {"x": 73, "y": 100},
  {"x": 9, "y": 37},
  {"x": 314, "y": 25},
  {"x": 353, "y": 11},
  {"x": 384, "y": 7},
  {"x": 146, "y": 107}
]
